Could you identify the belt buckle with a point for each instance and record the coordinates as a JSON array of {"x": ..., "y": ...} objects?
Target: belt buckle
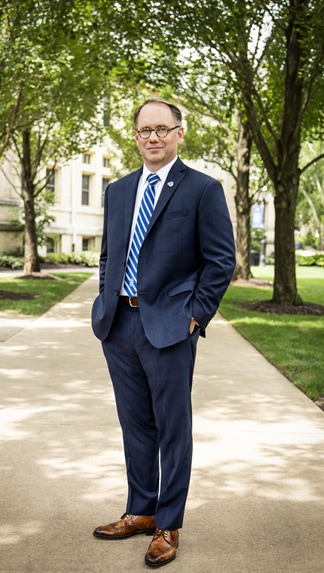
[{"x": 130, "y": 302}]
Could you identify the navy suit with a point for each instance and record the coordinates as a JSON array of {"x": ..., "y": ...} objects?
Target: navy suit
[{"x": 185, "y": 265}]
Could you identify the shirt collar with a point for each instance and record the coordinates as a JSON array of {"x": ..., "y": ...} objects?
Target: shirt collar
[{"x": 162, "y": 173}]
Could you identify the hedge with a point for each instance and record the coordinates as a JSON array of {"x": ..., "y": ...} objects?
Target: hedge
[{"x": 83, "y": 258}]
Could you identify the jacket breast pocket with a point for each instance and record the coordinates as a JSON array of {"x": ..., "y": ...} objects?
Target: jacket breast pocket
[
  {"x": 172, "y": 229},
  {"x": 176, "y": 214}
]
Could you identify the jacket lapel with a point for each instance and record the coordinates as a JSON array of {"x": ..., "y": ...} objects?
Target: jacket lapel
[{"x": 173, "y": 180}]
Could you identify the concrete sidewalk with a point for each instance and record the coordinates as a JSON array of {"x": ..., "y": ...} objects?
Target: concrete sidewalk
[{"x": 256, "y": 496}]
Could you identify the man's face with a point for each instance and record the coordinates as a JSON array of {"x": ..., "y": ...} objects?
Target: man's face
[{"x": 156, "y": 151}]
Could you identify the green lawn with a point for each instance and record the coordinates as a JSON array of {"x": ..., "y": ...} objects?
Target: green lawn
[
  {"x": 293, "y": 343},
  {"x": 44, "y": 292}
]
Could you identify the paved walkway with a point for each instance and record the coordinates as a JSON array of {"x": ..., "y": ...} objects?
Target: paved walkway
[{"x": 256, "y": 496}]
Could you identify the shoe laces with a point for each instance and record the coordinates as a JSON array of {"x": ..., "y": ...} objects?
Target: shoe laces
[
  {"x": 161, "y": 533},
  {"x": 126, "y": 516}
]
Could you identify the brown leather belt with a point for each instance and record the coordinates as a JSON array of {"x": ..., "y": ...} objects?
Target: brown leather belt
[{"x": 129, "y": 300}]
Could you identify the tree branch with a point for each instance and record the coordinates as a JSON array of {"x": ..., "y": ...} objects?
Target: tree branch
[
  {"x": 303, "y": 169},
  {"x": 12, "y": 124}
]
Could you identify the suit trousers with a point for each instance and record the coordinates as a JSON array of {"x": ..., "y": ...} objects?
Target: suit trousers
[{"x": 152, "y": 389}]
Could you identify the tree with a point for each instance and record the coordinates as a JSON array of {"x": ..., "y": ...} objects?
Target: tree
[
  {"x": 274, "y": 56},
  {"x": 57, "y": 57}
]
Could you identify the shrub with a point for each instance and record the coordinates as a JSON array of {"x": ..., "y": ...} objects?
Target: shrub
[
  {"x": 57, "y": 258},
  {"x": 310, "y": 260},
  {"x": 83, "y": 258},
  {"x": 270, "y": 259},
  {"x": 11, "y": 262}
]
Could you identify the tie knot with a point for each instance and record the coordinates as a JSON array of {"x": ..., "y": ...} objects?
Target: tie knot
[{"x": 153, "y": 178}]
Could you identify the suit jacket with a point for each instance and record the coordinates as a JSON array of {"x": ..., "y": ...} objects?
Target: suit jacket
[{"x": 186, "y": 261}]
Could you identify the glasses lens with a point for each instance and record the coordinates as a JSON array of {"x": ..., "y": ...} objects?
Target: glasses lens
[
  {"x": 162, "y": 131},
  {"x": 145, "y": 132}
]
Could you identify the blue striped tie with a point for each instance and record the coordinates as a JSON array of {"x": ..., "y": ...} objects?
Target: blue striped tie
[{"x": 143, "y": 219}]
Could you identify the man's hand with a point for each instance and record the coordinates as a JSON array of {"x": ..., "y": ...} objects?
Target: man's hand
[{"x": 193, "y": 323}]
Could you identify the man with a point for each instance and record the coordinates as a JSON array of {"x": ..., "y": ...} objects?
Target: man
[{"x": 159, "y": 288}]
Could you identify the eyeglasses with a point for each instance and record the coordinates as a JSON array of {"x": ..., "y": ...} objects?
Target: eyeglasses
[{"x": 161, "y": 131}]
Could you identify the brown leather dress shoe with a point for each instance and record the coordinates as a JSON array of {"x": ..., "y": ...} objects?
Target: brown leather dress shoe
[
  {"x": 127, "y": 526},
  {"x": 163, "y": 548}
]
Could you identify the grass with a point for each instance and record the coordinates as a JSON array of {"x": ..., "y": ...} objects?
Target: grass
[
  {"x": 293, "y": 343},
  {"x": 44, "y": 292}
]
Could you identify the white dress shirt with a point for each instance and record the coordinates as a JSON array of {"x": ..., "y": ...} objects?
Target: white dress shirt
[{"x": 142, "y": 184}]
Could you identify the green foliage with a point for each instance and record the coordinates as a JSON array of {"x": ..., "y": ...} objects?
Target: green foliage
[
  {"x": 308, "y": 240},
  {"x": 42, "y": 217},
  {"x": 49, "y": 58},
  {"x": 310, "y": 260},
  {"x": 58, "y": 258},
  {"x": 82, "y": 258},
  {"x": 121, "y": 132},
  {"x": 229, "y": 42},
  {"x": 55, "y": 62},
  {"x": 11, "y": 262},
  {"x": 256, "y": 238},
  {"x": 270, "y": 259},
  {"x": 310, "y": 206}
]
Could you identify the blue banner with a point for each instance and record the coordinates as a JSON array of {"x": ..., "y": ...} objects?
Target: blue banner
[{"x": 257, "y": 216}]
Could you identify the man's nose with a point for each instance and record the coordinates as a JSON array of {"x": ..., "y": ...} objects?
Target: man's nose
[{"x": 153, "y": 136}]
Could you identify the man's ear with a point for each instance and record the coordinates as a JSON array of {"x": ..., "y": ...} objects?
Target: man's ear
[{"x": 180, "y": 134}]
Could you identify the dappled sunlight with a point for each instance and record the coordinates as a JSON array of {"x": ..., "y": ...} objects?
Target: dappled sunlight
[
  {"x": 65, "y": 324},
  {"x": 257, "y": 464},
  {"x": 255, "y": 434},
  {"x": 13, "y": 373},
  {"x": 89, "y": 467},
  {"x": 13, "y": 534},
  {"x": 247, "y": 464},
  {"x": 252, "y": 412},
  {"x": 11, "y": 417}
]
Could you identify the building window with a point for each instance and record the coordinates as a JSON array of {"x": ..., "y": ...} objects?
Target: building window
[
  {"x": 50, "y": 178},
  {"x": 85, "y": 197},
  {"x": 86, "y": 158},
  {"x": 85, "y": 244},
  {"x": 105, "y": 182},
  {"x": 105, "y": 161},
  {"x": 50, "y": 245}
]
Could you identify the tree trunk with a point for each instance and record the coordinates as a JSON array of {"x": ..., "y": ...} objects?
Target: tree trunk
[
  {"x": 285, "y": 283},
  {"x": 242, "y": 201},
  {"x": 282, "y": 162},
  {"x": 31, "y": 263},
  {"x": 286, "y": 175}
]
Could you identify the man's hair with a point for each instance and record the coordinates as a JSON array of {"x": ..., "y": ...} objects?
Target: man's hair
[{"x": 173, "y": 108}]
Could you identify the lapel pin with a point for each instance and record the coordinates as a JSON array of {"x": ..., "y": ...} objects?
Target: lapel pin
[{"x": 170, "y": 184}]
